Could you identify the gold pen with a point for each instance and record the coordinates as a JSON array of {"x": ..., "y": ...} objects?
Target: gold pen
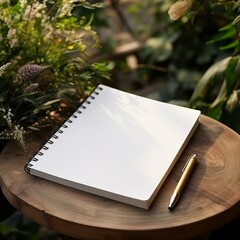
[{"x": 186, "y": 172}]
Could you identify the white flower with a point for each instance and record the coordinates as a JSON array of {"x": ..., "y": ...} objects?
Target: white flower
[
  {"x": 3, "y": 110},
  {"x": 7, "y": 116},
  {"x": 23, "y": 3},
  {"x": 36, "y": 10},
  {"x": 11, "y": 33},
  {"x": 14, "y": 42},
  {"x": 67, "y": 6},
  {"x": 2, "y": 69},
  {"x": 13, "y": 131},
  {"x": 12, "y": 36}
]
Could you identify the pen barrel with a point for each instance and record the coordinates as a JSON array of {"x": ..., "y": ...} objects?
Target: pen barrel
[{"x": 185, "y": 176}]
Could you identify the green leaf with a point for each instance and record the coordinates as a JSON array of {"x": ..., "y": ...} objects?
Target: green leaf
[
  {"x": 237, "y": 19},
  {"x": 92, "y": 5},
  {"x": 233, "y": 102},
  {"x": 221, "y": 97},
  {"x": 216, "y": 111},
  {"x": 227, "y": 32},
  {"x": 212, "y": 77},
  {"x": 49, "y": 103},
  {"x": 237, "y": 5},
  {"x": 4, "y": 229},
  {"x": 13, "y": 232},
  {"x": 231, "y": 45},
  {"x": 230, "y": 81},
  {"x": 157, "y": 49},
  {"x": 103, "y": 66},
  {"x": 232, "y": 74},
  {"x": 231, "y": 114}
]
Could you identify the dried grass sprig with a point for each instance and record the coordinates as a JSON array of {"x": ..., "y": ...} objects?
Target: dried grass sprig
[
  {"x": 4, "y": 67},
  {"x": 178, "y": 9},
  {"x": 29, "y": 72}
]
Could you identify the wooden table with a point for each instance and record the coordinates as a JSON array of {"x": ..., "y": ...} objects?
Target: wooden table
[{"x": 210, "y": 200}]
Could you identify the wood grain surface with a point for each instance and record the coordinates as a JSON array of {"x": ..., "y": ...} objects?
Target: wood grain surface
[{"x": 210, "y": 200}]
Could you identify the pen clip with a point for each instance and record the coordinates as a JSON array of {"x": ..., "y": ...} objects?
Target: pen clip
[{"x": 192, "y": 156}]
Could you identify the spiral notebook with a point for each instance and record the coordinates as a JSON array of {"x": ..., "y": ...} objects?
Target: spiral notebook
[{"x": 117, "y": 145}]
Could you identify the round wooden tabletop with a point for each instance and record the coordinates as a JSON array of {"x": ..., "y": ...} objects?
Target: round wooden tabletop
[{"x": 210, "y": 200}]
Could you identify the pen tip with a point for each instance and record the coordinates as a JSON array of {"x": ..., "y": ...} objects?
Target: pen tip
[{"x": 170, "y": 208}]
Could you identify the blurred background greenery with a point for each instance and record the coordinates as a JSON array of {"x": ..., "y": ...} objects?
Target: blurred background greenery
[
  {"x": 187, "y": 53},
  {"x": 53, "y": 53}
]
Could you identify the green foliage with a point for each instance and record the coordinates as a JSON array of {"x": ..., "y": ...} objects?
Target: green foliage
[
  {"x": 46, "y": 43},
  {"x": 226, "y": 33},
  {"x": 168, "y": 47},
  {"x": 159, "y": 48},
  {"x": 23, "y": 100},
  {"x": 193, "y": 57},
  {"x": 14, "y": 233},
  {"x": 43, "y": 32},
  {"x": 19, "y": 227},
  {"x": 217, "y": 92}
]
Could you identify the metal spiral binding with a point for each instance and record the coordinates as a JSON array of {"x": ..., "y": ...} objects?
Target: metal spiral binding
[{"x": 40, "y": 153}]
